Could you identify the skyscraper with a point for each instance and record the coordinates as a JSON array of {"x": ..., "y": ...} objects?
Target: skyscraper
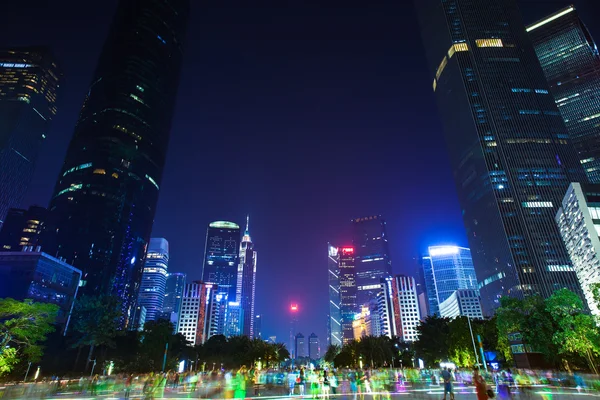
[
  {"x": 22, "y": 228},
  {"x": 154, "y": 278},
  {"x": 348, "y": 305},
  {"x": 246, "y": 282},
  {"x": 452, "y": 269},
  {"x": 509, "y": 149},
  {"x": 372, "y": 257},
  {"x": 299, "y": 346},
  {"x": 257, "y": 327},
  {"x": 29, "y": 81},
  {"x": 571, "y": 63},
  {"x": 314, "y": 347},
  {"x": 194, "y": 317},
  {"x": 462, "y": 302},
  {"x": 399, "y": 307},
  {"x": 334, "y": 327},
  {"x": 105, "y": 199},
  {"x": 173, "y": 294},
  {"x": 432, "y": 301},
  {"x": 221, "y": 257}
]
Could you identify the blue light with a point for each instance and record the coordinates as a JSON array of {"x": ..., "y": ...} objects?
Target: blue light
[
  {"x": 161, "y": 39},
  {"x": 132, "y": 260}
]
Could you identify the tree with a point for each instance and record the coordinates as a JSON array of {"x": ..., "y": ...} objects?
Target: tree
[
  {"x": 577, "y": 332},
  {"x": 332, "y": 351},
  {"x": 433, "y": 344},
  {"x": 95, "y": 321},
  {"x": 24, "y": 326}
]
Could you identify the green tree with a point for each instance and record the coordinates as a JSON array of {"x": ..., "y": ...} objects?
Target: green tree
[
  {"x": 433, "y": 345},
  {"x": 577, "y": 332},
  {"x": 24, "y": 325},
  {"x": 332, "y": 351}
]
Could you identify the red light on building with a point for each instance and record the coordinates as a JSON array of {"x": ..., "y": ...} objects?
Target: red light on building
[
  {"x": 348, "y": 250},
  {"x": 294, "y": 307}
]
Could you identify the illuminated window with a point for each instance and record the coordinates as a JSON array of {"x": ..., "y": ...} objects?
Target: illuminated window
[
  {"x": 537, "y": 204},
  {"x": 434, "y": 85},
  {"x": 77, "y": 168},
  {"x": 136, "y": 98},
  {"x": 138, "y": 87},
  {"x": 100, "y": 171},
  {"x": 7, "y": 247},
  {"x": 441, "y": 67},
  {"x": 152, "y": 180},
  {"x": 460, "y": 47},
  {"x": 489, "y": 43},
  {"x": 115, "y": 175}
]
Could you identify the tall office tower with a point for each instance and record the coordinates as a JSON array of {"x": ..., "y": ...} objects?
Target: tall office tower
[
  {"x": 571, "y": 63},
  {"x": 408, "y": 300},
  {"x": 221, "y": 257},
  {"x": 579, "y": 222},
  {"x": 257, "y": 327},
  {"x": 463, "y": 302},
  {"x": 299, "y": 346},
  {"x": 234, "y": 319},
  {"x": 509, "y": 148},
  {"x": 452, "y": 269},
  {"x": 173, "y": 295},
  {"x": 154, "y": 278},
  {"x": 314, "y": 347},
  {"x": 389, "y": 308},
  {"x": 195, "y": 310},
  {"x": 22, "y": 228},
  {"x": 372, "y": 256},
  {"x": 348, "y": 305},
  {"x": 29, "y": 81},
  {"x": 105, "y": 199},
  {"x": 433, "y": 306},
  {"x": 246, "y": 282},
  {"x": 334, "y": 326}
]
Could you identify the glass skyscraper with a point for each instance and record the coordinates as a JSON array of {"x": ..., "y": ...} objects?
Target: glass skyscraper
[
  {"x": 154, "y": 278},
  {"x": 104, "y": 202},
  {"x": 432, "y": 301},
  {"x": 221, "y": 257},
  {"x": 509, "y": 149},
  {"x": 334, "y": 327},
  {"x": 29, "y": 81},
  {"x": 372, "y": 257},
  {"x": 348, "y": 304},
  {"x": 452, "y": 269},
  {"x": 571, "y": 63},
  {"x": 246, "y": 282},
  {"x": 173, "y": 293}
]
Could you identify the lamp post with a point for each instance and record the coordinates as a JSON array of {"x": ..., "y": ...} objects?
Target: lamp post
[{"x": 473, "y": 339}]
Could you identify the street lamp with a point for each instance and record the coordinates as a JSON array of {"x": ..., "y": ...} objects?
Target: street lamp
[{"x": 473, "y": 339}]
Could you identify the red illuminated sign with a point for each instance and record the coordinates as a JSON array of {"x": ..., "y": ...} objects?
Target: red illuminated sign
[
  {"x": 294, "y": 307},
  {"x": 348, "y": 250}
]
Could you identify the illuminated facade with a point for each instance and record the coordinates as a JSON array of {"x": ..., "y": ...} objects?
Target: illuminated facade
[
  {"x": 221, "y": 257},
  {"x": 173, "y": 294},
  {"x": 22, "y": 228},
  {"x": 246, "y": 283},
  {"x": 154, "y": 278},
  {"x": 29, "y": 81},
  {"x": 194, "y": 317},
  {"x": 314, "y": 347},
  {"x": 299, "y": 346},
  {"x": 105, "y": 198},
  {"x": 389, "y": 308},
  {"x": 399, "y": 309},
  {"x": 372, "y": 257},
  {"x": 579, "y": 222},
  {"x": 334, "y": 327},
  {"x": 452, "y": 269},
  {"x": 509, "y": 149},
  {"x": 463, "y": 302},
  {"x": 348, "y": 305},
  {"x": 571, "y": 63},
  {"x": 433, "y": 307}
]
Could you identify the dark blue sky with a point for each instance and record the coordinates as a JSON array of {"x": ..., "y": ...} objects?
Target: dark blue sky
[{"x": 303, "y": 114}]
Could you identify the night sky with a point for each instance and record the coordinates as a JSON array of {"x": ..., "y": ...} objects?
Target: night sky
[{"x": 303, "y": 114}]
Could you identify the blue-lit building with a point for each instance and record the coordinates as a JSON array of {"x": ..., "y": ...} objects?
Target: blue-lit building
[
  {"x": 154, "y": 278},
  {"x": 372, "y": 257},
  {"x": 509, "y": 149},
  {"x": 246, "y": 283},
  {"x": 221, "y": 257},
  {"x": 29, "y": 83},
  {"x": 40, "y": 277},
  {"x": 348, "y": 304},
  {"x": 433, "y": 306},
  {"x": 452, "y": 269},
  {"x": 570, "y": 60},
  {"x": 173, "y": 294},
  {"x": 334, "y": 324}
]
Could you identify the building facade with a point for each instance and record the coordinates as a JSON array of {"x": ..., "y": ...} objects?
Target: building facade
[
  {"x": 22, "y": 228},
  {"x": 571, "y": 63},
  {"x": 389, "y": 308},
  {"x": 579, "y": 222},
  {"x": 334, "y": 327},
  {"x": 314, "y": 347},
  {"x": 433, "y": 307},
  {"x": 197, "y": 315},
  {"x": 246, "y": 282},
  {"x": 509, "y": 149},
  {"x": 257, "y": 327},
  {"x": 452, "y": 269},
  {"x": 154, "y": 278},
  {"x": 105, "y": 198},
  {"x": 173, "y": 294},
  {"x": 462, "y": 302},
  {"x": 372, "y": 256},
  {"x": 348, "y": 304},
  {"x": 408, "y": 301},
  {"x": 29, "y": 82},
  {"x": 221, "y": 257},
  {"x": 40, "y": 277},
  {"x": 299, "y": 346}
]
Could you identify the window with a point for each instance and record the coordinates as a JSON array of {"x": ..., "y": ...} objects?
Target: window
[
  {"x": 489, "y": 43},
  {"x": 100, "y": 171},
  {"x": 537, "y": 204}
]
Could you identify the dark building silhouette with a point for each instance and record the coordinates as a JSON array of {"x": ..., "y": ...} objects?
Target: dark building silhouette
[
  {"x": 104, "y": 202},
  {"x": 509, "y": 149},
  {"x": 29, "y": 81},
  {"x": 22, "y": 228}
]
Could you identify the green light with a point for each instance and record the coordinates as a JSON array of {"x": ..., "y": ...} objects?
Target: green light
[{"x": 224, "y": 225}]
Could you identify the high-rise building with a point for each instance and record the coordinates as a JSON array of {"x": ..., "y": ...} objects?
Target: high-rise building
[
  {"x": 22, "y": 228},
  {"x": 299, "y": 346},
  {"x": 334, "y": 326},
  {"x": 314, "y": 347},
  {"x": 246, "y": 282},
  {"x": 570, "y": 60},
  {"x": 29, "y": 81},
  {"x": 348, "y": 305},
  {"x": 433, "y": 306},
  {"x": 104, "y": 202},
  {"x": 509, "y": 149},
  {"x": 452, "y": 269},
  {"x": 173, "y": 294},
  {"x": 221, "y": 257},
  {"x": 257, "y": 327},
  {"x": 195, "y": 308},
  {"x": 579, "y": 222},
  {"x": 360, "y": 325},
  {"x": 138, "y": 319},
  {"x": 234, "y": 319},
  {"x": 40, "y": 277},
  {"x": 389, "y": 308},
  {"x": 408, "y": 300},
  {"x": 371, "y": 257},
  {"x": 463, "y": 302},
  {"x": 154, "y": 278}
]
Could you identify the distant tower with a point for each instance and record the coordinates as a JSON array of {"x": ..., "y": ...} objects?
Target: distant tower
[
  {"x": 314, "y": 347},
  {"x": 452, "y": 269},
  {"x": 300, "y": 346},
  {"x": 246, "y": 282},
  {"x": 348, "y": 305},
  {"x": 335, "y": 316},
  {"x": 154, "y": 278}
]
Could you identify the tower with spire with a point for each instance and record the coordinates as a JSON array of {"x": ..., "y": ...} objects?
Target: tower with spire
[{"x": 246, "y": 282}]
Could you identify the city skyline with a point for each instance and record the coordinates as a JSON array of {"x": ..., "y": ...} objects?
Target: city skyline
[{"x": 408, "y": 234}]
